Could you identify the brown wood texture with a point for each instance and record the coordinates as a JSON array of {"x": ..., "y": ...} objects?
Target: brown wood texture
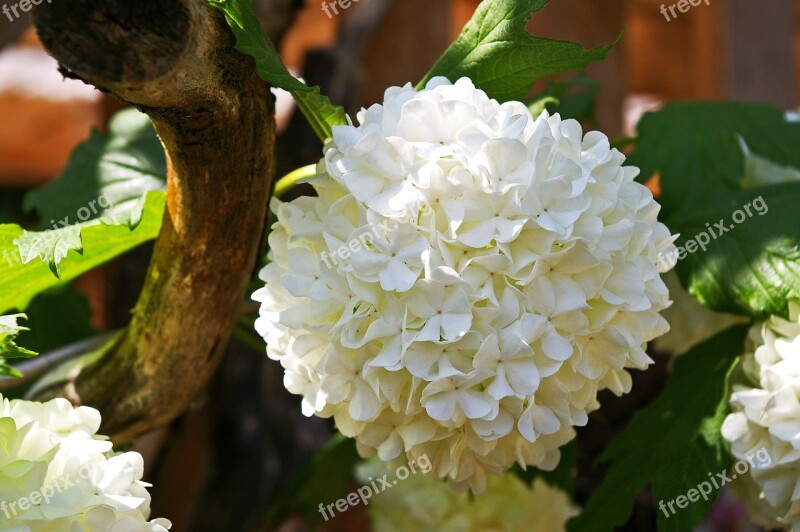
[
  {"x": 175, "y": 60},
  {"x": 759, "y": 55},
  {"x": 678, "y": 59},
  {"x": 592, "y": 24},
  {"x": 410, "y": 40}
]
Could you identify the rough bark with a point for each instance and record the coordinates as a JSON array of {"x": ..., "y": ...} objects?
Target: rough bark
[{"x": 175, "y": 60}]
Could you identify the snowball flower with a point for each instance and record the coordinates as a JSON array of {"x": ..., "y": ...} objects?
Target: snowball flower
[
  {"x": 767, "y": 416},
  {"x": 56, "y": 473},
  {"x": 466, "y": 280},
  {"x": 426, "y": 505}
]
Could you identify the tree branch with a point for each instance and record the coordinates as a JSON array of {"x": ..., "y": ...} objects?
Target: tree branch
[{"x": 175, "y": 60}]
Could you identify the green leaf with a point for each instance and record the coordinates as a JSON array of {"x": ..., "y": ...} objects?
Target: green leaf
[
  {"x": 496, "y": 52},
  {"x": 100, "y": 242},
  {"x": 759, "y": 171},
  {"x": 705, "y": 155},
  {"x": 56, "y": 318},
  {"x": 574, "y": 98},
  {"x": 321, "y": 114},
  {"x": 672, "y": 444},
  {"x": 752, "y": 269},
  {"x": 252, "y": 40},
  {"x": 106, "y": 177},
  {"x": 696, "y": 148},
  {"x": 105, "y": 181},
  {"x": 8, "y": 347},
  {"x": 50, "y": 246}
]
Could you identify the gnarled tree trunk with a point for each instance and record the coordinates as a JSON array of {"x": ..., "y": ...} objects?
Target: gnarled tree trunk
[{"x": 175, "y": 60}]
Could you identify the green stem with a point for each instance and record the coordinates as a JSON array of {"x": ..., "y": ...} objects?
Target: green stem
[{"x": 288, "y": 182}]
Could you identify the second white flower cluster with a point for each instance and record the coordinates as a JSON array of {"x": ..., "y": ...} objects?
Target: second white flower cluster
[{"x": 56, "y": 473}]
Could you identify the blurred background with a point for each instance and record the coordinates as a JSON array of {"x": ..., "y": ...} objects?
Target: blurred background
[{"x": 221, "y": 466}]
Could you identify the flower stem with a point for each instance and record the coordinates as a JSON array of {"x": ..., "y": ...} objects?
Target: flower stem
[{"x": 289, "y": 181}]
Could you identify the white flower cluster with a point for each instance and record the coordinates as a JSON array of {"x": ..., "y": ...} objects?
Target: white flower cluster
[
  {"x": 423, "y": 504},
  {"x": 57, "y": 474},
  {"x": 767, "y": 415},
  {"x": 517, "y": 276}
]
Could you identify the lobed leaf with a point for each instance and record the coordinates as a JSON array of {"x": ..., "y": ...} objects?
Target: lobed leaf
[
  {"x": 706, "y": 155},
  {"x": 9, "y": 329},
  {"x": 99, "y": 244},
  {"x": 106, "y": 178},
  {"x": 252, "y": 40},
  {"x": 497, "y": 53},
  {"x": 696, "y": 148}
]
